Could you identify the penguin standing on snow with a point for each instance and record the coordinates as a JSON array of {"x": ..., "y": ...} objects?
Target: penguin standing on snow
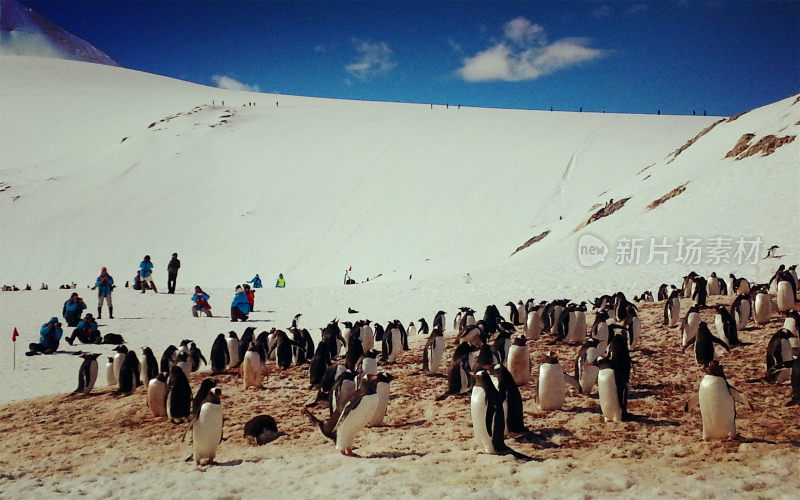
[
  {"x": 157, "y": 395},
  {"x": 585, "y": 368},
  {"x": 382, "y": 390},
  {"x": 519, "y": 360},
  {"x": 129, "y": 373},
  {"x": 550, "y": 384},
  {"x": 207, "y": 429},
  {"x": 87, "y": 373},
  {"x": 252, "y": 367},
  {"x": 179, "y": 395},
  {"x": 149, "y": 369},
  {"x": 233, "y": 349},
  {"x": 717, "y": 401},
  {"x": 704, "y": 345},
  {"x": 488, "y": 419},
  {"x": 220, "y": 354},
  {"x": 433, "y": 352}
]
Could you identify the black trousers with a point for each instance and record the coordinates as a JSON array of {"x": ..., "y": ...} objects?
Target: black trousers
[{"x": 171, "y": 279}]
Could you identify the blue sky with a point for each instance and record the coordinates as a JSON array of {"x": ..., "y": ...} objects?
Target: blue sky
[{"x": 723, "y": 57}]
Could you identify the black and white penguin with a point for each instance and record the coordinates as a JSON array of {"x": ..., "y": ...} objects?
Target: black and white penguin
[
  {"x": 367, "y": 336},
  {"x": 129, "y": 373},
  {"x": 423, "y": 327},
  {"x": 220, "y": 354},
  {"x": 467, "y": 318},
  {"x": 244, "y": 342},
  {"x": 298, "y": 348},
  {"x": 111, "y": 377},
  {"x": 283, "y": 349},
  {"x": 700, "y": 293},
  {"x": 512, "y": 399},
  {"x": 168, "y": 358},
  {"x": 383, "y": 391},
  {"x": 663, "y": 292},
  {"x": 344, "y": 386},
  {"x": 779, "y": 349},
  {"x": 318, "y": 364},
  {"x": 332, "y": 373},
  {"x": 433, "y": 352},
  {"x": 308, "y": 344},
  {"x": 261, "y": 429},
  {"x": 252, "y": 367},
  {"x": 503, "y": 342},
  {"x": 672, "y": 309},
  {"x": 576, "y": 332},
  {"x": 157, "y": 395},
  {"x": 488, "y": 419},
  {"x": 585, "y": 369},
  {"x": 207, "y": 429},
  {"x": 459, "y": 373},
  {"x": 550, "y": 384},
  {"x": 392, "y": 344},
  {"x": 513, "y": 313},
  {"x": 149, "y": 369},
  {"x": 184, "y": 362},
  {"x": 740, "y": 310},
  {"x": 690, "y": 324},
  {"x": 794, "y": 376},
  {"x": 534, "y": 324},
  {"x": 119, "y": 358},
  {"x": 354, "y": 352},
  {"x": 620, "y": 359},
  {"x": 713, "y": 286},
  {"x": 762, "y": 306},
  {"x": 368, "y": 363},
  {"x": 232, "y": 342},
  {"x": 439, "y": 320},
  {"x": 519, "y": 360},
  {"x": 600, "y": 331},
  {"x": 343, "y": 425},
  {"x": 704, "y": 345},
  {"x": 332, "y": 335},
  {"x": 179, "y": 395},
  {"x": 200, "y": 396},
  {"x": 792, "y": 323},
  {"x": 717, "y": 401},
  {"x": 412, "y": 329},
  {"x": 786, "y": 292},
  {"x": 613, "y": 396},
  {"x": 87, "y": 373},
  {"x": 196, "y": 356},
  {"x": 726, "y": 326}
]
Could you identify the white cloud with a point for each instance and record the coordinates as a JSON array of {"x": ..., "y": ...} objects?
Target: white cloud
[
  {"x": 375, "y": 59},
  {"x": 525, "y": 54},
  {"x": 226, "y": 82}
]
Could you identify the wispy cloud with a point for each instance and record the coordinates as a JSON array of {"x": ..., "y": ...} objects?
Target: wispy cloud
[
  {"x": 374, "y": 59},
  {"x": 525, "y": 54},
  {"x": 226, "y": 82}
]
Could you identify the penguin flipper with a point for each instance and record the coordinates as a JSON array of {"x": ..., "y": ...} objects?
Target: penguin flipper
[
  {"x": 740, "y": 397},
  {"x": 692, "y": 403},
  {"x": 572, "y": 381},
  {"x": 721, "y": 342}
]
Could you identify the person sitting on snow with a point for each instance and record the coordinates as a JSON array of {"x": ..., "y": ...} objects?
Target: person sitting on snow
[
  {"x": 201, "y": 305},
  {"x": 240, "y": 307},
  {"x": 72, "y": 310},
  {"x": 49, "y": 337},
  {"x": 86, "y": 332}
]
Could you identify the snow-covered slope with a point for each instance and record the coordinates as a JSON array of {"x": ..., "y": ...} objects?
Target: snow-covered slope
[
  {"x": 102, "y": 165},
  {"x": 24, "y": 31}
]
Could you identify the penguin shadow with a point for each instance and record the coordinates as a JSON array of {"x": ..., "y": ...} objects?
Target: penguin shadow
[
  {"x": 394, "y": 454},
  {"x": 642, "y": 419},
  {"x": 403, "y": 425},
  {"x": 580, "y": 409},
  {"x": 543, "y": 437},
  {"x": 645, "y": 352}
]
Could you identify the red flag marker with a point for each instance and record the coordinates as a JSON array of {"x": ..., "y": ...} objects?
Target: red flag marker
[{"x": 14, "y": 335}]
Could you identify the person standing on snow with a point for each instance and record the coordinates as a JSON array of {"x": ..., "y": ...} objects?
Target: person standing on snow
[
  {"x": 146, "y": 274},
  {"x": 104, "y": 285},
  {"x": 256, "y": 282},
  {"x": 172, "y": 273},
  {"x": 281, "y": 283}
]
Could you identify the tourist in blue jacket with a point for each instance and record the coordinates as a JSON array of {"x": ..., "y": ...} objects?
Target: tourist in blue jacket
[
  {"x": 72, "y": 310},
  {"x": 240, "y": 307},
  {"x": 86, "y": 331},
  {"x": 49, "y": 337},
  {"x": 104, "y": 285},
  {"x": 146, "y": 274},
  {"x": 256, "y": 282}
]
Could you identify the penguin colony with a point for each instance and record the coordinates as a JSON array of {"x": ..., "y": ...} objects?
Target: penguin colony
[{"x": 480, "y": 363}]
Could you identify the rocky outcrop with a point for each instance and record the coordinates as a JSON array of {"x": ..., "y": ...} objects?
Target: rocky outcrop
[
  {"x": 692, "y": 141},
  {"x": 537, "y": 238},
  {"x": 766, "y": 146},
  {"x": 672, "y": 194}
]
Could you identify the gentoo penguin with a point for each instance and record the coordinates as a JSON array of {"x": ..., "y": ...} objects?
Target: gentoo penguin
[
  {"x": 423, "y": 327},
  {"x": 157, "y": 395},
  {"x": 196, "y": 356},
  {"x": 513, "y": 313},
  {"x": 129, "y": 373},
  {"x": 522, "y": 312},
  {"x": 786, "y": 292},
  {"x": 282, "y": 347},
  {"x": 233, "y": 349},
  {"x": 633, "y": 327},
  {"x": 585, "y": 369},
  {"x": 519, "y": 361},
  {"x": 741, "y": 285},
  {"x": 270, "y": 340},
  {"x": 488, "y": 419},
  {"x": 730, "y": 283},
  {"x": 740, "y": 309},
  {"x": 576, "y": 332},
  {"x": 700, "y": 293},
  {"x": 623, "y": 308},
  {"x": 184, "y": 362},
  {"x": 550, "y": 386},
  {"x": 534, "y": 324},
  {"x": 368, "y": 363},
  {"x": 503, "y": 342},
  {"x": 207, "y": 429},
  {"x": 252, "y": 368},
  {"x": 473, "y": 334},
  {"x": 168, "y": 358},
  {"x": 716, "y": 399},
  {"x": 467, "y": 318},
  {"x": 220, "y": 354},
  {"x": 368, "y": 336},
  {"x": 792, "y": 323},
  {"x": 343, "y": 425},
  {"x": 392, "y": 344},
  {"x": 779, "y": 348},
  {"x": 412, "y": 330},
  {"x": 762, "y": 310},
  {"x": 619, "y": 358},
  {"x": 87, "y": 373},
  {"x": 512, "y": 399},
  {"x": 600, "y": 330},
  {"x": 459, "y": 374},
  {"x": 197, "y": 401},
  {"x": 354, "y": 352},
  {"x": 433, "y": 352},
  {"x": 713, "y": 285},
  {"x": 439, "y": 320},
  {"x": 704, "y": 345},
  {"x": 690, "y": 324},
  {"x": 244, "y": 343},
  {"x": 332, "y": 335},
  {"x": 672, "y": 309},
  {"x": 261, "y": 429},
  {"x": 726, "y": 326},
  {"x": 344, "y": 386},
  {"x": 382, "y": 390},
  {"x": 687, "y": 289},
  {"x": 318, "y": 364},
  {"x": 149, "y": 367},
  {"x": 298, "y": 348},
  {"x": 794, "y": 367},
  {"x": 613, "y": 396},
  {"x": 119, "y": 358},
  {"x": 663, "y": 292},
  {"x": 179, "y": 395},
  {"x": 111, "y": 378}
]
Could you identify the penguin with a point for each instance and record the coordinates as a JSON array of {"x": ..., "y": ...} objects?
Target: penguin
[
  {"x": 623, "y": 308},
  {"x": 704, "y": 345},
  {"x": 473, "y": 334},
  {"x": 261, "y": 429},
  {"x": 220, "y": 354},
  {"x": 779, "y": 348},
  {"x": 207, "y": 429},
  {"x": 252, "y": 368},
  {"x": 308, "y": 344},
  {"x": 354, "y": 352},
  {"x": 700, "y": 293},
  {"x": 672, "y": 309},
  {"x": 244, "y": 343},
  {"x": 488, "y": 419},
  {"x": 794, "y": 367},
  {"x": 459, "y": 376},
  {"x": 423, "y": 327},
  {"x": 534, "y": 323},
  {"x": 344, "y": 386},
  {"x": 269, "y": 340},
  {"x": 379, "y": 332},
  {"x": 740, "y": 309},
  {"x": 433, "y": 352},
  {"x": 512, "y": 399},
  {"x": 550, "y": 384},
  {"x": 439, "y": 320},
  {"x": 233, "y": 349},
  {"x": 663, "y": 292},
  {"x": 762, "y": 310},
  {"x": 792, "y": 323},
  {"x": 179, "y": 395},
  {"x": 200, "y": 396},
  {"x": 713, "y": 285},
  {"x": 786, "y": 292},
  {"x": 196, "y": 356},
  {"x": 392, "y": 344},
  {"x": 726, "y": 326},
  {"x": 741, "y": 285},
  {"x": 730, "y": 283},
  {"x": 318, "y": 364},
  {"x": 129, "y": 373},
  {"x": 513, "y": 313},
  {"x": 157, "y": 395},
  {"x": 367, "y": 337},
  {"x": 184, "y": 362},
  {"x": 87, "y": 373},
  {"x": 412, "y": 330},
  {"x": 382, "y": 390},
  {"x": 332, "y": 373},
  {"x": 610, "y": 393},
  {"x": 167, "y": 358},
  {"x": 519, "y": 361},
  {"x": 585, "y": 369},
  {"x": 149, "y": 368},
  {"x": 332, "y": 335},
  {"x": 633, "y": 326},
  {"x": 467, "y": 318},
  {"x": 522, "y": 312},
  {"x": 111, "y": 378},
  {"x": 503, "y": 342},
  {"x": 717, "y": 400},
  {"x": 577, "y": 324},
  {"x": 690, "y": 324},
  {"x": 298, "y": 348},
  {"x": 599, "y": 330},
  {"x": 619, "y": 358},
  {"x": 368, "y": 363},
  {"x": 119, "y": 358},
  {"x": 343, "y": 425},
  {"x": 282, "y": 347}
]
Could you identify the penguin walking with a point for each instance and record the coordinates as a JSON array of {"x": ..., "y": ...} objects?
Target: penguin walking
[
  {"x": 704, "y": 345},
  {"x": 612, "y": 393},
  {"x": 717, "y": 400},
  {"x": 519, "y": 361},
  {"x": 672, "y": 309},
  {"x": 157, "y": 395},
  {"x": 261, "y": 429},
  {"x": 488, "y": 419},
  {"x": 149, "y": 369},
  {"x": 383, "y": 391},
  {"x": 232, "y": 342},
  {"x": 550, "y": 384},
  {"x": 345, "y": 423},
  {"x": 585, "y": 368},
  {"x": 459, "y": 374},
  {"x": 220, "y": 354},
  {"x": 433, "y": 352},
  {"x": 343, "y": 387},
  {"x": 726, "y": 326},
  {"x": 179, "y": 395},
  {"x": 207, "y": 429},
  {"x": 129, "y": 373},
  {"x": 252, "y": 368},
  {"x": 87, "y": 373},
  {"x": 779, "y": 349}
]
